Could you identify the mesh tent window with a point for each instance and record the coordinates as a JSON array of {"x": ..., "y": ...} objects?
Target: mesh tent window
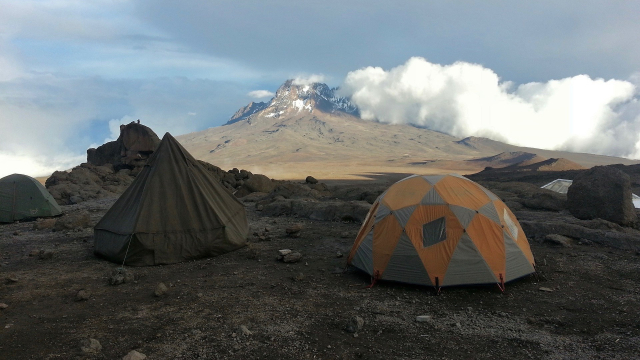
[{"x": 434, "y": 232}]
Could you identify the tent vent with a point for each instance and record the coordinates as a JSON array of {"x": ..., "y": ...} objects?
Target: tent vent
[{"x": 434, "y": 232}]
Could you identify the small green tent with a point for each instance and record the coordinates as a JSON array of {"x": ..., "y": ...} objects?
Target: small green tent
[
  {"x": 23, "y": 197},
  {"x": 173, "y": 211}
]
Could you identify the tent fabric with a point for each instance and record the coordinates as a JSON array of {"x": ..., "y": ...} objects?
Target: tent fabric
[
  {"x": 562, "y": 186},
  {"x": 445, "y": 230},
  {"x": 23, "y": 197},
  {"x": 173, "y": 211}
]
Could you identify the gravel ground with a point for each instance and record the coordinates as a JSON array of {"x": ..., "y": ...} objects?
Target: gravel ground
[{"x": 248, "y": 305}]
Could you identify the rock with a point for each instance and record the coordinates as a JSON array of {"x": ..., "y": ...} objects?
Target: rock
[
  {"x": 121, "y": 276},
  {"x": 334, "y": 210},
  {"x": 294, "y": 231},
  {"x": 557, "y": 240},
  {"x": 161, "y": 289},
  {"x": 602, "y": 192},
  {"x": 73, "y": 221},
  {"x": 245, "y": 331},
  {"x": 3, "y": 306},
  {"x": 42, "y": 224},
  {"x": 132, "y": 148},
  {"x": 311, "y": 180},
  {"x": 259, "y": 183},
  {"x": 546, "y": 289},
  {"x": 16, "y": 233},
  {"x": 424, "y": 318},
  {"x": 11, "y": 279},
  {"x": 45, "y": 254},
  {"x": 298, "y": 277},
  {"x": 284, "y": 252},
  {"x": 35, "y": 252},
  {"x": 345, "y": 235},
  {"x": 134, "y": 355},
  {"x": 83, "y": 295},
  {"x": 292, "y": 257},
  {"x": 354, "y": 324},
  {"x": 87, "y": 182},
  {"x": 339, "y": 254},
  {"x": 90, "y": 346}
]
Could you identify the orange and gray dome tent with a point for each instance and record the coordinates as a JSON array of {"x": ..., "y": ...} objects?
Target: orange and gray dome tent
[
  {"x": 441, "y": 230},
  {"x": 173, "y": 211},
  {"x": 23, "y": 197}
]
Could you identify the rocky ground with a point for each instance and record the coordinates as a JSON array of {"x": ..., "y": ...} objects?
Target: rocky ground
[{"x": 583, "y": 304}]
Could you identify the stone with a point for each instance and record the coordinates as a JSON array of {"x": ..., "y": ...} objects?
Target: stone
[
  {"x": 424, "y": 318},
  {"x": 294, "y": 231},
  {"x": 121, "y": 276},
  {"x": 161, "y": 289},
  {"x": 43, "y": 224},
  {"x": 73, "y": 221},
  {"x": 90, "y": 346},
  {"x": 602, "y": 192},
  {"x": 259, "y": 183},
  {"x": 3, "y": 306},
  {"x": 45, "y": 254},
  {"x": 16, "y": 233},
  {"x": 545, "y": 289},
  {"x": 245, "y": 331},
  {"x": 354, "y": 324},
  {"x": 83, "y": 295},
  {"x": 292, "y": 257},
  {"x": 34, "y": 253},
  {"x": 311, "y": 180},
  {"x": 339, "y": 254},
  {"x": 345, "y": 235},
  {"x": 134, "y": 355},
  {"x": 284, "y": 252},
  {"x": 298, "y": 277},
  {"x": 11, "y": 279},
  {"x": 557, "y": 240}
]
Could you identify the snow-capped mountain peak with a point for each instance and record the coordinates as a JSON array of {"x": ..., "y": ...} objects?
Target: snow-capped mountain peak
[{"x": 292, "y": 98}]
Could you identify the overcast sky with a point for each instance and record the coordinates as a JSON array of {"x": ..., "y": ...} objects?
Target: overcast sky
[{"x": 72, "y": 70}]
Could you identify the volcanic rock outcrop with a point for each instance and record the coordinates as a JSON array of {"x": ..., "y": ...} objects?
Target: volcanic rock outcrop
[{"x": 130, "y": 151}]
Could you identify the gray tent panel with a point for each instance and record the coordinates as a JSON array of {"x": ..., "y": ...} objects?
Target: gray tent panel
[
  {"x": 517, "y": 264},
  {"x": 363, "y": 258},
  {"x": 433, "y": 179},
  {"x": 432, "y": 198},
  {"x": 405, "y": 264},
  {"x": 489, "y": 210},
  {"x": 381, "y": 212},
  {"x": 464, "y": 215},
  {"x": 491, "y": 195},
  {"x": 403, "y": 215},
  {"x": 467, "y": 266}
]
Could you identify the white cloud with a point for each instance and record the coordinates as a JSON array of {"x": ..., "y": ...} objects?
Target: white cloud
[
  {"x": 576, "y": 113},
  {"x": 308, "y": 79},
  {"x": 261, "y": 94}
]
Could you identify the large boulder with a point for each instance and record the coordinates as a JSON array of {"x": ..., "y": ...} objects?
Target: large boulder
[
  {"x": 602, "y": 192},
  {"x": 87, "y": 182},
  {"x": 131, "y": 150}
]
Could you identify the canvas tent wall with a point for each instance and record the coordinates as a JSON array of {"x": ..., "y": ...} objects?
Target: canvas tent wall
[
  {"x": 23, "y": 197},
  {"x": 173, "y": 211},
  {"x": 562, "y": 186},
  {"x": 439, "y": 231}
]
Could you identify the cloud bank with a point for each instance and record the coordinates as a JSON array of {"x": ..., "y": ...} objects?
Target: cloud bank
[
  {"x": 576, "y": 113},
  {"x": 261, "y": 94}
]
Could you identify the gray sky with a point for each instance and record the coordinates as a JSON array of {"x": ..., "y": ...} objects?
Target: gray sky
[{"x": 72, "y": 70}]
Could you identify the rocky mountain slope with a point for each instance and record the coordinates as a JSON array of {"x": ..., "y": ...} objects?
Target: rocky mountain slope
[{"x": 309, "y": 130}]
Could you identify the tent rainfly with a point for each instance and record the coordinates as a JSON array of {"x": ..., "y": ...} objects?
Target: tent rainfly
[
  {"x": 173, "y": 211},
  {"x": 23, "y": 197},
  {"x": 562, "y": 186},
  {"x": 441, "y": 230}
]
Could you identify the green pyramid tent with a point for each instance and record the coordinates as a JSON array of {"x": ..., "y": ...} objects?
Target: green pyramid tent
[
  {"x": 23, "y": 197},
  {"x": 173, "y": 211}
]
